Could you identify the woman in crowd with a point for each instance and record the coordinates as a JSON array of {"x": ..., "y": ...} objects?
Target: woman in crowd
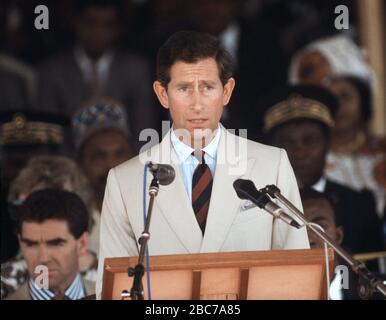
[{"x": 356, "y": 159}]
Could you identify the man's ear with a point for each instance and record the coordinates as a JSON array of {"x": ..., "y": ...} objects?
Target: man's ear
[
  {"x": 228, "y": 89},
  {"x": 161, "y": 94},
  {"x": 339, "y": 235},
  {"x": 83, "y": 243}
]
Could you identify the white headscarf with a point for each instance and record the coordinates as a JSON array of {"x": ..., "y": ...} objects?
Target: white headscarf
[{"x": 343, "y": 55}]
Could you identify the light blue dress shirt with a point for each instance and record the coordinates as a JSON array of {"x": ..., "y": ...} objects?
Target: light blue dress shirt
[{"x": 188, "y": 162}]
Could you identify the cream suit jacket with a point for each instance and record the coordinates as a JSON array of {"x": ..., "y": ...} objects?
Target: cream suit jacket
[{"x": 174, "y": 229}]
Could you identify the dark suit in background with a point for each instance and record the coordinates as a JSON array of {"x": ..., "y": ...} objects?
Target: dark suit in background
[{"x": 63, "y": 89}]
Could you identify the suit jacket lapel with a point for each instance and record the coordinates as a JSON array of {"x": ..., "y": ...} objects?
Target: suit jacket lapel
[
  {"x": 224, "y": 203},
  {"x": 174, "y": 203}
]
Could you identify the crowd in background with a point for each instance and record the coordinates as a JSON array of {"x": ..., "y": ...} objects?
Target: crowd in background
[{"x": 74, "y": 99}]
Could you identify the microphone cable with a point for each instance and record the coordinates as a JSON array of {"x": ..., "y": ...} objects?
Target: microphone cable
[{"x": 144, "y": 223}]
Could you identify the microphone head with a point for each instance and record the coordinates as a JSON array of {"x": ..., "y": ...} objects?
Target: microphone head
[
  {"x": 244, "y": 188},
  {"x": 164, "y": 173}
]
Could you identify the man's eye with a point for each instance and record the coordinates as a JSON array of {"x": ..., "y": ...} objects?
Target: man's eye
[
  {"x": 56, "y": 244},
  {"x": 183, "y": 89},
  {"x": 30, "y": 245},
  {"x": 312, "y": 141}
]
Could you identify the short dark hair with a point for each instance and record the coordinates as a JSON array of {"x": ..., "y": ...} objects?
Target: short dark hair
[
  {"x": 55, "y": 204},
  {"x": 190, "y": 47},
  {"x": 310, "y": 194}
]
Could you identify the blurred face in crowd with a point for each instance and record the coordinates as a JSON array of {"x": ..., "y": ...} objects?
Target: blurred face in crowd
[
  {"x": 213, "y": 16},
  {"x": 101, "y": 152},
  {"x": 195, "y": 96},
  {"x": 348, "y": 115},
  {"x": 51, "y": 244},
  {"x": 313, "y": 68},
  {"x": 14, "y": 160},
  {"x": 307, "y": 146},
  {"x": 321, "y": 212},
  {"x": 97, "y": 29}
]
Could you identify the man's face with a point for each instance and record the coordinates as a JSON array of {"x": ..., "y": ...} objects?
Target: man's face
[
  {"x": 51, "y": 244},
  {"x": 97, "y": 30},
  {"x": 195, "y": 95},
  {"x": 306, "y": 146},
  {"x": 101, "y": 152},
  {"x": 320, "y": 211}
]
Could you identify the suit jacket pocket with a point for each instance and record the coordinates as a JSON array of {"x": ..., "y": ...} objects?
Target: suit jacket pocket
[{"x": 247, "y": 216}]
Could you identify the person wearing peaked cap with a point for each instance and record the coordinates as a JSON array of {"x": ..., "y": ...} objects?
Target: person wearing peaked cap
[
  {"x": 24, "y": 134},
  {"x": 299, "y": 102},
  {"x": 27, "y": 133},
  {"x": 299, "y": 119}
]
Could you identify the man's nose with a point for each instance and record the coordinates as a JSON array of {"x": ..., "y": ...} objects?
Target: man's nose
[
  {"x": 298, "y": 152},
  {"x": 44, "y": 255},
  {"x": 196, "y": 99}
]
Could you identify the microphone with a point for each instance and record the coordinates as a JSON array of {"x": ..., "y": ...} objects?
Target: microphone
[
  {"x": 164, "y": 173},
  {"x": 246, "y": 190}
]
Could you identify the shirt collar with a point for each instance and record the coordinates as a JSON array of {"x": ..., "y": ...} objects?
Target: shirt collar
[
  {"x": 74, "y": 292},
  {"x": 184, "y": 151},
  {"x": 85, "y": 63},
  {"x": 320, "y": 186}
]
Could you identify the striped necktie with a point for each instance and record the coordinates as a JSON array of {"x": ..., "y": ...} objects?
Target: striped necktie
[{"x": 201, "y": 191}]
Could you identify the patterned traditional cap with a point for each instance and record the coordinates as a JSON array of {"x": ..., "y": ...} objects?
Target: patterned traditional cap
[
  {"x": 299, "y": 102},
  {"x": 97, "y": 117},
  {"x": 344, "y": 57},
  {"x": 25, "y": 128}
]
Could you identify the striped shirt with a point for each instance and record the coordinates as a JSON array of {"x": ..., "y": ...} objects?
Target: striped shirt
[{"x": 74, "y": 292}]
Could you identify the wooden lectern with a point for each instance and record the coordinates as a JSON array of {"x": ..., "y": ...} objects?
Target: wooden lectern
[{"x": 287, "y": 274}]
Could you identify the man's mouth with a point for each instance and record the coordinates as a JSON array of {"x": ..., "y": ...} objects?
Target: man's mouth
[{"x": 197, "y": 121}]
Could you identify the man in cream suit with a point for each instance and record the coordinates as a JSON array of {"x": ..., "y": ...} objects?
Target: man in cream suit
[{"x": 197, "y": 213}]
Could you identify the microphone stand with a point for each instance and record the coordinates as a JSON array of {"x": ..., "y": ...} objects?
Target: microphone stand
[
  {"x": 370, "y": 282},
  {"x": 136, "y": 292}
]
